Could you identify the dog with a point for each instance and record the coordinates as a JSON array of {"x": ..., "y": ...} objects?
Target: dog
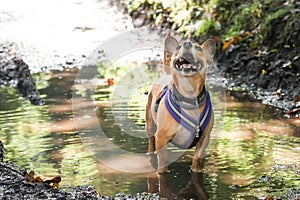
[{"x": 181, "y": 112}]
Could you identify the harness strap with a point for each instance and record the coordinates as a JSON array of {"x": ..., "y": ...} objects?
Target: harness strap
[
  {"x": 160, "y": 97},
  {"x": 196, "y": 126},
  {"x": 188, "y": 103}
]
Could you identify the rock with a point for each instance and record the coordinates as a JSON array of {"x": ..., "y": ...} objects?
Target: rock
[{"x": 15, "y": 72}]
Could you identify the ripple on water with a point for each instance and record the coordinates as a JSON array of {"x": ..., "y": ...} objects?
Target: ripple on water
[{"x": 249, "y": 159}]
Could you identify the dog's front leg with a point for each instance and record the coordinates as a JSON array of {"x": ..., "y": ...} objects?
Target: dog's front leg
[
  {"x": 198, "y": 158},
  {"x": 150, "y": 131},
  {"x": 162, "y": 155},
  {"x": 151, "y": 145},
  {"x": 151, "y": 148}
]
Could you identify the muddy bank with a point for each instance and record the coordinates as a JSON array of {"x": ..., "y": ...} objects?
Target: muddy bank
[{"x": 270, "y": 72}]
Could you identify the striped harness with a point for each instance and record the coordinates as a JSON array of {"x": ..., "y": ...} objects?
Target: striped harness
[{"x": 176, "y": 103}]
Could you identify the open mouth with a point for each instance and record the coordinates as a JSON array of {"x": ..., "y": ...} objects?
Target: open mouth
[{"x": 187, "y": 65}]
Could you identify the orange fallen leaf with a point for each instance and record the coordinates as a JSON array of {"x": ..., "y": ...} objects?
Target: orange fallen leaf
[
  {"x": 29, "y": 176},
  {"x": 269, "y": 198},
  {"x": 54, "y": 181},
  {"x": 234, "y": 40},
  {"x": 110, "y": 81},
  {"x": 37, "y": 179}
]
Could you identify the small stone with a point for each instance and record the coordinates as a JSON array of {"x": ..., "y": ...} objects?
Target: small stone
[{"x": 234, "y": 186}]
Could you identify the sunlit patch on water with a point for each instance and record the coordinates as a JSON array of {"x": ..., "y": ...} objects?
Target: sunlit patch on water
[{"x": 256, "y": 155}]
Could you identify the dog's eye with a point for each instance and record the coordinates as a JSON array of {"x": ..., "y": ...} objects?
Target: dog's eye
[
  {"x": 178, "y": 47},
  {"x": 198, "y": 48}
]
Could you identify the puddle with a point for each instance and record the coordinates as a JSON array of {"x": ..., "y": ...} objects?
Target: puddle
[{"x": 256, "y": 155}]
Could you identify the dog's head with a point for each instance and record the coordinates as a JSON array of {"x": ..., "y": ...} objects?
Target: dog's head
[{"x": 188, "y": 58}]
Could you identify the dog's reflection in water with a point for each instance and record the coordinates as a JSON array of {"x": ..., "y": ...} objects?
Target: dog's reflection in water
[{"x": 161, "y": 184}]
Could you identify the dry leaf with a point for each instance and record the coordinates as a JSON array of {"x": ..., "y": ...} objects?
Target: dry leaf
[
  {"x": 54, "y": 181},
  {"x": 234, "y": 40}
]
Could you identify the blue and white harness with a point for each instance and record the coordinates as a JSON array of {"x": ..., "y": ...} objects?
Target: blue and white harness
[{"x": 176, "y": 103}]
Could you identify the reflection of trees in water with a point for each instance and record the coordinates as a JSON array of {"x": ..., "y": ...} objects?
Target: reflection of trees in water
[{"x": 45, "y": 139}]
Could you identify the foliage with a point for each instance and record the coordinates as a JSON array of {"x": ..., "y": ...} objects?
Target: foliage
[{"x": 222, "y": 18}]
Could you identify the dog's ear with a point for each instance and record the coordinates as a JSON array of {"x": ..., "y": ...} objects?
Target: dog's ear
[
  {"x": 170, "y": 44},
  {"x": 209, "y": 47}
]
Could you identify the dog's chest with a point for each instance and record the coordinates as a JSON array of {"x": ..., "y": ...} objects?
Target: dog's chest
[
  {"x": 185, "y": 138},
  {"x": 192, "y": 115},
  {"x": 192, "y": 120}
]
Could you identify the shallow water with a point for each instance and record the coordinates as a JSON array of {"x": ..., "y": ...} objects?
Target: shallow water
[{"x": 253, "y": 154}]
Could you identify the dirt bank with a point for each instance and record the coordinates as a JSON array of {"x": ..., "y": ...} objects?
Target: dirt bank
[{"x": 270, "y": 71}]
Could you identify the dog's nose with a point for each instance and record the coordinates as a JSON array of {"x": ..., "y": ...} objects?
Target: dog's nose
[{"x": 187, "y": 45}]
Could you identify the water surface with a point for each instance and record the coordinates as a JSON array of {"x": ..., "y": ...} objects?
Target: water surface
[{"x": 256, "y": 154}]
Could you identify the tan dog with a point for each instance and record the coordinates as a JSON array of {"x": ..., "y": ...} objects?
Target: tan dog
[{"x": 186, "y": 92}]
